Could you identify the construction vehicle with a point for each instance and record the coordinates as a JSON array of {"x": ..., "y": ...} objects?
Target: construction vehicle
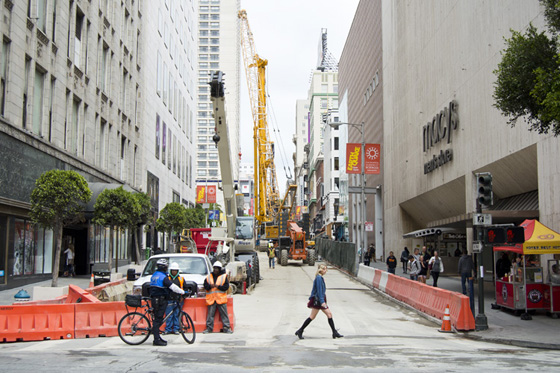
[
  {"x": 239, "y": 228},
  {"x": 294, "y": 246},
  {"x": 267, "y": 199}
]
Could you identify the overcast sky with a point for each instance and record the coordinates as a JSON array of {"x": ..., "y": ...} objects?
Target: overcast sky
[{"x": 287, "y": 33}]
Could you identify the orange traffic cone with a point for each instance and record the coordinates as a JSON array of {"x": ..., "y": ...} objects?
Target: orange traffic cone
[
  {"x": 446, "y": 324},
  {"x": 91, "y": 281}
]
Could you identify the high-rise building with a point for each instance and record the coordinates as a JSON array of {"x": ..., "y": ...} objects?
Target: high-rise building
[
  {"x": 168, "y": 95},
  {"x": 218, "y": 49}
]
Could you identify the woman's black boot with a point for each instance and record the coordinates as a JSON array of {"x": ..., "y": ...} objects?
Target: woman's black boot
[
  {"x": 335, "y": 333},
  {"x": 299, "y": 332}
]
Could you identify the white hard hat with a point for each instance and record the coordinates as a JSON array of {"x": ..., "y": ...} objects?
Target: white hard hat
[
  {"x": 174, "y": 267},
  {"x": 218, "y": 264}
]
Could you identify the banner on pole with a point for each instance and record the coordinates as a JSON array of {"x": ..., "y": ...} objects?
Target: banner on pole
[
  {"x": 373, "y": 159},
  {"x": 353, "y": 158}
]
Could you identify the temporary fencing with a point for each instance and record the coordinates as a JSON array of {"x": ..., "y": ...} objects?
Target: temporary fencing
[
  {"x": 425, "y": 298},
  {"x": 36, "y": 322},
  {"x": 98, "y": 319}
]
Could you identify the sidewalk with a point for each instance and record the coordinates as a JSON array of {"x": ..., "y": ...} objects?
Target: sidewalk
[
  {"x": 7, "y": 296},
  {"x": 503, "y": 326}
]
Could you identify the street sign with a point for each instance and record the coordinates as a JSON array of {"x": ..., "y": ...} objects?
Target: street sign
[
  {"x": 482, "y": 219},
  {"x": 213, "y": 214},
  {"x": 369, "y": 226},
  {"x": 367, "y": 190},
  {"x": 477, "y": 247}
]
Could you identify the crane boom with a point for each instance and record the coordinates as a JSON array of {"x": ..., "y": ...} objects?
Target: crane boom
[{"x": 267, "y": 199}]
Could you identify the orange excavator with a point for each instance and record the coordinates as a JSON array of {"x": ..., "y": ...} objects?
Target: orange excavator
[{"x": 293, "y": 246}]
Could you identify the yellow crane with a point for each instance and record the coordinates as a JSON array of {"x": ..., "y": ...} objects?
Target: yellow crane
[{"x": 267, "y": 199}]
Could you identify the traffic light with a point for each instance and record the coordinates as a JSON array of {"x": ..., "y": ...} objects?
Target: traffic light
[
  {"x": 503, "y": 235},
  {"x": 493, "y": 236},
  {"x": 515, "y": 235},
  {"x": 484, "y": 189}
]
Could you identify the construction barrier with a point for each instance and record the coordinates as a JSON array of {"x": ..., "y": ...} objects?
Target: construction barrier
[
  {"x": 98, "y": 319},
  {"x": 425, "y": 298},
  {"x": 198, "y": 310},
  {"x": 36, "y": 322},
  {"x": 77, "y": 295}
]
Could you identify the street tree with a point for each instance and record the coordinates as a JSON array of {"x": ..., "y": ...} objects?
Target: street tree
[
  {"x": 141, "y": 216},
  {"x": 58, "y": 200},
  {"x": 196, "y": 217},
  {"x": 172, "y": 218},
  {"x": 116, "y": 209},
  {"x": 528, "y": 76}
]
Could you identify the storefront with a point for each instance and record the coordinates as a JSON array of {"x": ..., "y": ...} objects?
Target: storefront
[{"x": 533, "y": 282}]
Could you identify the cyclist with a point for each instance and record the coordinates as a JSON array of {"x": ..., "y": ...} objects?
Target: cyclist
[
  {"x": 160, "y": 285},
  {"x": 172, "y": 323}
]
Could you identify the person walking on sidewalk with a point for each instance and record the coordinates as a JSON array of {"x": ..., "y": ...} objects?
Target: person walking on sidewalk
[
  {"x": 217, "y": 285},
  {"x": 466, "y": 267},
  {"x": 160, "y": 285},
  {"x": 172, "y": 323},
  {"x": 391, "y": 263},
  {"x": 413, "y": 267},
  {"x": 404, "y": 259},
  {"x": 436, "y": 267},
  {"x": 318, "y": 301}
]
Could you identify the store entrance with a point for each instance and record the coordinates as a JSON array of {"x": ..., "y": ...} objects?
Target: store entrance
[{"x": 78, "y": 238}]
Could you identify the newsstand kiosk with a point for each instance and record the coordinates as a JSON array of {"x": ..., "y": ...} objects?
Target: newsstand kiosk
[{"x": 526, "y": 288}]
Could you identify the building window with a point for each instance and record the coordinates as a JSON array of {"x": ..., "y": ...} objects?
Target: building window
[
  {"x": 159, "y": 76},
  {"x": 336, "y": 164},
  {"x": 4, "y": 74},
  {"x": 158, "y": 134},
  {"x": 38, "y": 88},
  {"x": 336, "y": 141},
  {"x": 32, "y": 248}
]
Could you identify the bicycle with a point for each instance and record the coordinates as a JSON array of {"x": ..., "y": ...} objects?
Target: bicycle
[{"x": 135, "y": 327}]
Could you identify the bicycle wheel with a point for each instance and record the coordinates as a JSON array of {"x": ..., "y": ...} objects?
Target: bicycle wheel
[
  {"x": 134, "y": 328},
  {"x": 187, "y": 328}
]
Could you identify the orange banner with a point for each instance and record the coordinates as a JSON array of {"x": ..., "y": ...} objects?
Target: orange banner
[
  {"x": 211, "y": 194},
  {"x": 200, "y": 194},
  {"x": 353, "y": 158},
  {"x": 373, "y": 159}
]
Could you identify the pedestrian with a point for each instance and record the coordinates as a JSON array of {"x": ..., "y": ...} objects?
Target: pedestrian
[
  {"x": 391, "y": 263},
  {"x": 503, "y": 266},
  {"x": 466, "y": 267},
  {"x": 172, "y": 323},
  {"x": 367, "y": 257},
  {"x": 158, "y": 251},
  {"x": 435, "y": 265},
  {"x": 424, "y": 258},
  {"x": 271, "y": 255},
  {"x": 416, "y": 253},
  {"x": 217, "y": 285},
  {"x": 69, "y": 262},
  {"x": 160, "y": 285},
  {"x": 404, "y": 259},
  {"x": 318, "y": 301},
  {"x": 372, "y": 253},
  {"x": 413, "y": 267}
]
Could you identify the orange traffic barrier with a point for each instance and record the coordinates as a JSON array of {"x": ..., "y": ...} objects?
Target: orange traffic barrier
[
  {"x": 198, "y": 311},
  {"x": 429, "y": 300},
  {"x": 78, "y": 295},
  {"x": 36, "y": 322},
  {"x": 99, "y": 319},
  {"x": 446, "y": 322}
]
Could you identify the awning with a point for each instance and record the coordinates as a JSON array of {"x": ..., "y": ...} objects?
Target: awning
[
  {"x": 539, "y": 239},
  {"x": 428, "y": 232}
]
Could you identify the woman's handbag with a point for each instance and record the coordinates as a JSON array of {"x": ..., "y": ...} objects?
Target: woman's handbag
[{"x": 314, "y": 303}]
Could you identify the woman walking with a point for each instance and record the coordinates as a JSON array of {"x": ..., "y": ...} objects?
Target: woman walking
[
  {"x": 436, "y": 267},
  {"x": 318, "y": 301}
]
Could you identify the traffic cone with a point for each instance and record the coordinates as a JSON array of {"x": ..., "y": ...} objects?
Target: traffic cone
[
  {"x": 446, "y": 324},
  {"x": 91, "y": 281}
]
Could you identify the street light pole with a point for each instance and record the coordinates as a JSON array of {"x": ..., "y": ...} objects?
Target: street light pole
[{"x": 363, "y": 203}]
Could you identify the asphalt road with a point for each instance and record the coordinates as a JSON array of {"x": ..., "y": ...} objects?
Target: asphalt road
[{"x": 377, "y": 336}]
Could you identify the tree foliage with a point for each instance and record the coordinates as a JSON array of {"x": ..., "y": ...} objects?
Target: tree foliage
[
  {"x": 172, "y": 218},
  {"x": 196, "y": 217},
  {"x": 140, "y": 216},
  {"x": 58, "y": 200},
  {"x": 528, "y": 77}
]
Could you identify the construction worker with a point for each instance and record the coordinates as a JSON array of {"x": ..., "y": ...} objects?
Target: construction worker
[
  {"x": 271, "y": 255},
  {"x": 160, "y": 285},
  {"x": 172, "y": 323},
  {"x": 217, "y": 285}
]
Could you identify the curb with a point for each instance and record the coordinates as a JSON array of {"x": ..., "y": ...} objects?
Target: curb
[{"x": 466, "y": 335}]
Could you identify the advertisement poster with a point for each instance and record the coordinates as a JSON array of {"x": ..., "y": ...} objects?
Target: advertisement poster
[
  {"x": 353, "y": 158},
  {"x": 200, "y": 194},
  {"x": 373, "y": 159}
]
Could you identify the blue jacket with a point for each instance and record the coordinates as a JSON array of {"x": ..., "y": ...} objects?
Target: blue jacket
[
  {"x": 319, "y": 289},
  {"x": 159, "y": 284}
]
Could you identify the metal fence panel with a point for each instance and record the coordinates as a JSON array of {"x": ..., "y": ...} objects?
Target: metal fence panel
[{"x": 341, "y": 254}]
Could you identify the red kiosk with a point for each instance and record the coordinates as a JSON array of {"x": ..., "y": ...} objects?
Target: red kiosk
[{"x": 526, "y": 287}]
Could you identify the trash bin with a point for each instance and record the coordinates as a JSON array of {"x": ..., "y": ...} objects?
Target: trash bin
[{"x": 100, "y": 280}]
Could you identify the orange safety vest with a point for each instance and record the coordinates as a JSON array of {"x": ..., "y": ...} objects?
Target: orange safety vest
[
  {"x": 216, "y": 295},
  {"x": 181, "y": 280}
]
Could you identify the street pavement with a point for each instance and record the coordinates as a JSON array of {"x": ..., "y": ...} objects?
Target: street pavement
[
  {"x": 379, "y": 334},
  {"x": 503, "y": 326}
]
